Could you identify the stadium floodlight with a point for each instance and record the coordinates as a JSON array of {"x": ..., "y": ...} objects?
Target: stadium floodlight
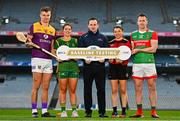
[
  {"x": 119, "y": 21},
  {"x": 62, "y": 21},
  {"x": 4, "y": 20},
  {"x": 175, "y": 22}
]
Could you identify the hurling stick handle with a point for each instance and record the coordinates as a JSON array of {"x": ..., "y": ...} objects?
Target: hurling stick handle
[
  {"x": 44, "y": 50},
  {"x": 36, "y": 46},
  {"x": 49, "y": 53}
]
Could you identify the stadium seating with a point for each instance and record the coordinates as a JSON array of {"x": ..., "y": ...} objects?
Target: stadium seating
[
  {"x": 18, "y": 58},
  {"x": 22, "y": 15},
  {"x": 160, "y": 58},
  {"x": 20, "y": 95},
  {"x": 173, "y": 8}
]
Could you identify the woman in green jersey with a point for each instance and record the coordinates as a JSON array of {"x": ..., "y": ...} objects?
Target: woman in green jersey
[{"x": 67, "y": 72}]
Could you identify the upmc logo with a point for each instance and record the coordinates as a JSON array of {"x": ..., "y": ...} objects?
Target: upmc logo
[
  {"x": 93, "y": 48},
  {"x": 61, "y": 52}
]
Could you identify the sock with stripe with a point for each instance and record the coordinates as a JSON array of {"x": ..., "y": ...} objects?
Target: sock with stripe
[
  {"x": 63, "y": 107},
  {"x": 73, "y": 107},
  {"x": 44, "y": 108},
  {"x": 139, "y": 109},
  {"x": 34, "y": 107}
]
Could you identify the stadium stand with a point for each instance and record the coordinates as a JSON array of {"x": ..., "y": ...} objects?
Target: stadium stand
[
  {"x": 20, "y": 95},
  {"x": 173, "y": 8},
  {"x": 78, "y": 13},
  {"x": 17, "y": 57},
  {"x": 160, "y": 58}
]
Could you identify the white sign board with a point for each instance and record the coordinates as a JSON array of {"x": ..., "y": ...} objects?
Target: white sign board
[{"x": 93, "y": 53}]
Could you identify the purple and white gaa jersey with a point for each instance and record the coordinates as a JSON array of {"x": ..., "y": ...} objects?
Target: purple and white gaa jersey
[{"x": 42, "y": 36}]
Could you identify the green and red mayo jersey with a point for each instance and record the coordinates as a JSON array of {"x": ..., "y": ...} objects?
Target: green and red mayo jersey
[
  {"x": 115, "y": 44},
  {"x": 141, "y": 41}
]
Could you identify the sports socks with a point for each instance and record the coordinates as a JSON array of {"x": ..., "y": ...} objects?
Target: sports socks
[
  {"x": 34, "y": 107},
  {"x": 44, "y": 108},
  {"x": 115, "y": 109},
  {"x": 153, "y": 109},
  {"x": 123, "y": 111},
  {"x": 73, "y": 107},
  {"x": 139, "y": 109},
  {"x": 63, "y": 107}
]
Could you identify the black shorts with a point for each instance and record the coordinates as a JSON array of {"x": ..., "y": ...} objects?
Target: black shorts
[{"x": 118, "y": 72}]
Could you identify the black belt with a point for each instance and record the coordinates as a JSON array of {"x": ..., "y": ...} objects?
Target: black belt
[{"x": 71, "y": 60}]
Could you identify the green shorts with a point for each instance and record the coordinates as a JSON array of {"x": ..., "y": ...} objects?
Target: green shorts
[{"x": 68, "y": 74}]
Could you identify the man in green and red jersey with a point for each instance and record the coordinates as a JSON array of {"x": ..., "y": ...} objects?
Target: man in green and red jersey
[{"x": 144, "y": 44}]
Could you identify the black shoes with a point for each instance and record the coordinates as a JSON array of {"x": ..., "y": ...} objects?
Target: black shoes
[
  {"x": 47, "y": 114},
  {"x": 88, "y": 115},
  {"x": 35, "y": 115},
  {"x": 103, "y": 115}
]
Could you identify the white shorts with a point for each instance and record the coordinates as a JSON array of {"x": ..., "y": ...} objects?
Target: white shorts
[
  {"x": 144, "y": 71},
  {"x": 41, "y": 65}
]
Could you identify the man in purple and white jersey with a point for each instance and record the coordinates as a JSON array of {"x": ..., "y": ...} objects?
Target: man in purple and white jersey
[{"x": 42, "y": 34}]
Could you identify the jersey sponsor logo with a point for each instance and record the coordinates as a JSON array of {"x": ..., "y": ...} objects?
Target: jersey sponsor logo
[
  {"x": 45, "y": 36},
  {"x": 45, "y": 41},
  {"x": 142, "y": 43}
]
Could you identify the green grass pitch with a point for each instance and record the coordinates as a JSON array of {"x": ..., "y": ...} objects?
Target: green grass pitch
[{"x": 25, "y": 115}]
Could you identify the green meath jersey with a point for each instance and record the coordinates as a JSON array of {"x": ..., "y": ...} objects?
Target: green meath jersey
[
  {"x": 70, "y": 65},
  {"x": 143, "y": 40}
]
